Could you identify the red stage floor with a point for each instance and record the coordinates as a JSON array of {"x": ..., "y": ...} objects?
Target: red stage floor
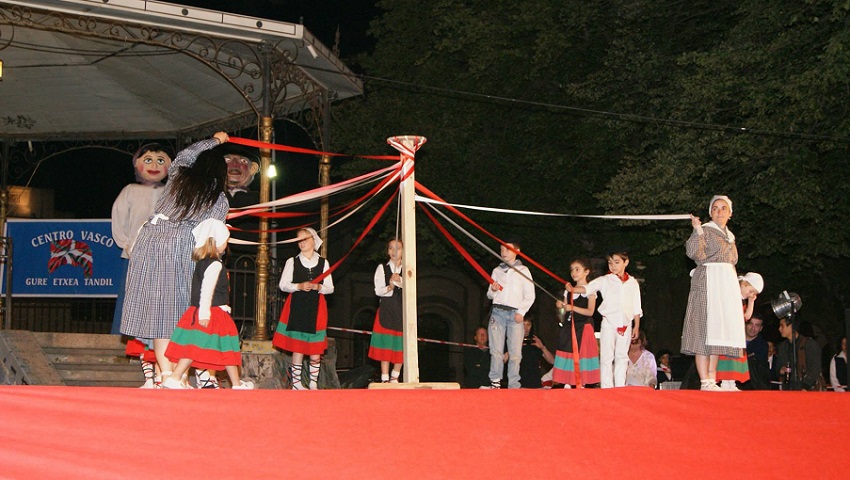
[{"x": 109, "y": 433}]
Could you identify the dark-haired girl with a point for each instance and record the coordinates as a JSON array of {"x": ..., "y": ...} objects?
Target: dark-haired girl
[
  {"x": 581, "y": 310},
  {"x": 160, "y": 271}
]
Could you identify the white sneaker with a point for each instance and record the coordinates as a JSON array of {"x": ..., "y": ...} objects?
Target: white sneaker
[
  {"x": 148, "y": 384},
  {"x": 709, "y": 386},
  {"x": 171, "y": 384},
  {"x": 729, "y": 386},
  {"x": 244, "y": 385}
]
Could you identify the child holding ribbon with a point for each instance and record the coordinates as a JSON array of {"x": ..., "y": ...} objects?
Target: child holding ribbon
[
  {"x": 205, "y": 336},
  {"x": 302, "y": 328},
  {"x": 620, "y": 308}
]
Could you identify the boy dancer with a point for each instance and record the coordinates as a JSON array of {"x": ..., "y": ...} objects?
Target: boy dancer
[
  {"x": 512, "y": 293},
  {"x": 620, "y": 307}
]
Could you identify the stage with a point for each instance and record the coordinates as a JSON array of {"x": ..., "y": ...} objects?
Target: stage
[{"x": 109, "y": 433}]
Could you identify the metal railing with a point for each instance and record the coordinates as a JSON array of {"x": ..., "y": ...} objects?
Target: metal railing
[{"x": 94, "y": 315}]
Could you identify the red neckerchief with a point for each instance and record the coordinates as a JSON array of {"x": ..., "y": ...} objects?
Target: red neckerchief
[{"x": 624, "y": 278}]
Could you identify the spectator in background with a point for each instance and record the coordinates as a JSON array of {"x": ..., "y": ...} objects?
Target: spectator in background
[
  {"x": 533, "y": 351},
  {"x": 641, "y": 370},
  {"x": 757, "y": 356},
  {"x": 664, "y": 373},
  {"x": 773, "y": 365},
  {"x": 476, "y": 362},
  {"x": 838, "y": 367},
  {"x": 807, "y": 371}
]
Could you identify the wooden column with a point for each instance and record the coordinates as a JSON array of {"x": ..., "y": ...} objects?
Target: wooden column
[{"x": 407, "y": 146}]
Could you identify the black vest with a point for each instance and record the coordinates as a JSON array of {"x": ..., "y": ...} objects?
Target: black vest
[
  {"x": 304, "y": 306},
  {"x": 565, "y": 335},
  {"x": 222, "y": 287},
  {"x": 391, "y": 314}
]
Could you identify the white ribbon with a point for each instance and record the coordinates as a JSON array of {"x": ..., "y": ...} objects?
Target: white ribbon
[{"x": 683, "y": 216}]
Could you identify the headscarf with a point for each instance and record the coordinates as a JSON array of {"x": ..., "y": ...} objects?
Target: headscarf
[
  {"x": 210, "y": 228},
  {"x": 317, "y": 242},
  {"x": 719, "y": 197}
]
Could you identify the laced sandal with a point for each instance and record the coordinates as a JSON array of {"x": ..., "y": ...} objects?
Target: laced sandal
[
  {"x": 315, "y": 365},
  {"x": 203, "y": 379},
  {"x": 295, "y": 377}
]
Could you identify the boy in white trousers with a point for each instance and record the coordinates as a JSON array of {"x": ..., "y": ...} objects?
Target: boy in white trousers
[{"x": 620, "y": 307}]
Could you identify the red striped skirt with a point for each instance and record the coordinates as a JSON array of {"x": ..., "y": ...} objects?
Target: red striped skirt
[
  {"x": 302, "y": 342},
  {"x": 386, "y": 345},
  {"x": 733, "y": 368},
  {"x": 588, "y": 354},
  {"x": 212, "y": 347}
]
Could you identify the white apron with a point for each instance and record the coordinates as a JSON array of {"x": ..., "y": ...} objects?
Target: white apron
[{"x": 724, "y": 313}]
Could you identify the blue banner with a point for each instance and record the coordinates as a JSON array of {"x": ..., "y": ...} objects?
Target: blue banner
[{"x": 62, "y": 258}]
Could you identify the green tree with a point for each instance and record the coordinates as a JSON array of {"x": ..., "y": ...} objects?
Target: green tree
[{"x": 627, "y": 107}]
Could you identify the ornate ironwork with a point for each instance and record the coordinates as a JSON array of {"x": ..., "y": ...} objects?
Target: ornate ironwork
[{"x": 237, "y": 62}]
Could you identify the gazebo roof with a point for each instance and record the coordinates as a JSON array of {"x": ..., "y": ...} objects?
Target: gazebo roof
[{"x": 134, "y": 69}]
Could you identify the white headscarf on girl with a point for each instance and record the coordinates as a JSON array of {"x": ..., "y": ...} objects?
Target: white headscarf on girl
[{"x": 317, "y": 242}]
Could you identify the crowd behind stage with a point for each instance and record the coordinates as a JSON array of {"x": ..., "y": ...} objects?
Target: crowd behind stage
[{"x": 664, "y": 370}]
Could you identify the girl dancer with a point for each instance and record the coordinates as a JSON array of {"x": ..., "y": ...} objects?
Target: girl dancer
[
  {"x": 386, "y": 344},
  {"x": 302, "y": 328},
  {"x": 581, "y": 311},
  {"x": 732, "y": 369},
  {"x": 205, "y": 336},
  {"x": 160, "y": 271}
]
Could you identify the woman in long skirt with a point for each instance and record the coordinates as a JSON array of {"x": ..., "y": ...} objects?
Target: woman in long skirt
[{"x": 714, "y": 322}]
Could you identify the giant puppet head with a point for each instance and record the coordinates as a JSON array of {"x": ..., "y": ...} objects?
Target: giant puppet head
[
  {"x": 151, "y": 163},
  {"x": 242, "y": 165}
]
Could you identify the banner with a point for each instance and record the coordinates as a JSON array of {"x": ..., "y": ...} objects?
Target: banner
[{"x": 62, "y": 258}]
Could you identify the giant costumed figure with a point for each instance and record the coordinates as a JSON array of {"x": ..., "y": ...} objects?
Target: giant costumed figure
[
  {"x": 242, "y": 167},
  {"x": 131, "y": 209}
]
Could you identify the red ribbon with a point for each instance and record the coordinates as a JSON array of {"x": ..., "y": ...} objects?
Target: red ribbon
[
  {"x": 458, "y": 247},
  {"x": 286, "y": 148},
  {"x": 576, "y": 360},
  {"x": 357, "y": 242},
  {"x": 434, "y": 196}
]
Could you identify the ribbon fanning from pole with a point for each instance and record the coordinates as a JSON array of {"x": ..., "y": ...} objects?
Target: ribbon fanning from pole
[
  {"x": 676, "y": 216},
  {"x": 286, "y": 148},
  {"x": 457, "y": 212},
  {"x": 458, "y": 247},
  {"x": 357, "y": 242}
]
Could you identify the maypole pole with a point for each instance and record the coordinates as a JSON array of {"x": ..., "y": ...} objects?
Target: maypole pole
[{"x": 407, "y": 145}]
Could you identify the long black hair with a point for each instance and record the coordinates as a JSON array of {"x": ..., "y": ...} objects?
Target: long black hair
[{"x": 198, "y": 187}]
